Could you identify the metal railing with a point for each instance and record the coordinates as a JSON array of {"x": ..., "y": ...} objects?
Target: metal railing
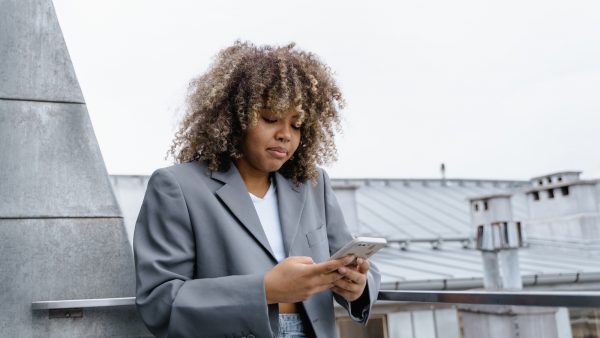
[
  {"x": 83, "y": 303},
  {"x": 522, "y": 298}
]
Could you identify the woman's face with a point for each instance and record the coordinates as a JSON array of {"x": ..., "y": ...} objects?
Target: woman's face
[{"x": 270, "y": 143}]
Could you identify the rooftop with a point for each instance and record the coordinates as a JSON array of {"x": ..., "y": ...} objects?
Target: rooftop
[{"x": 427, "y": 222}]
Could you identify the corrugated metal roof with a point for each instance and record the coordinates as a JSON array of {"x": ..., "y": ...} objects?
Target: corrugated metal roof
[
  {"x": 423, "y": 210},
  {"x": 422, "y": 263},
  {"x": 397, "y": 208}
]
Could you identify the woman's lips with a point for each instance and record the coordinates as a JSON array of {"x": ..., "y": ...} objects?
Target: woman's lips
[{"x": 278, "y": 152}]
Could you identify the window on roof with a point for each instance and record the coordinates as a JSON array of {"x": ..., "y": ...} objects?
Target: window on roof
[
  {"x": 550, "y": 193},
  {"x": 564, "y": 191},
  {"x": 476, "y": 206},
  {"x": 536, "y": 196},
  {"x": 540, "y": 182},
  {"x": 549, "y": 179},
  {"x": 560, "y": 178},
  {"x": 485, "y": 205}
]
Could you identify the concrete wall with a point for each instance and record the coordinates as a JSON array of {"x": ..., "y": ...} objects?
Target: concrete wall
[
  {"x": 62, "y": 235},
  {"x": 573, "y": 228},
  {"x": 575, "y": 216},
  {"x": 35, "y": 62},
  {"x": 581, "y": 199},
  {"x": 50, "y": 162},
  {"x": 58, "y": 259}
]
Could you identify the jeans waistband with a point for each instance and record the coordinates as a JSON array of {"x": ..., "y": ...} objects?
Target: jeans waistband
[{"x": 290, "y": 325}]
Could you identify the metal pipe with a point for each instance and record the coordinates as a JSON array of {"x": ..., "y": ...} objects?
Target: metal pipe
[
  {"x": 82, "y": 303},
  {"x": 529, "y": 298},
  {"x": 491, "y": 270},
  {"x": 511, "y": 272}
]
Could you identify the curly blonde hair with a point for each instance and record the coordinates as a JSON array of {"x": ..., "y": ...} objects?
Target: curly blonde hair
[{"x": 243, "y": 81}]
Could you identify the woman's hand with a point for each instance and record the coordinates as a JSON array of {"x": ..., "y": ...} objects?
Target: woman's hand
[
  {"x": 297, "y": 278},
  {"x": 354, "y": 282}
]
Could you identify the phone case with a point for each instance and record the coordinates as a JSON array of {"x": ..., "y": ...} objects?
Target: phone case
[{"x": 363, "y": 247}]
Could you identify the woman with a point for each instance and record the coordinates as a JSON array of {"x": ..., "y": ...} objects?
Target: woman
[{"x": 235, "y": 240}]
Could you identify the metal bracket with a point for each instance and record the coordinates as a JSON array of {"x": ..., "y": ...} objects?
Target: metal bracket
[{"x": 65, "y": 313}]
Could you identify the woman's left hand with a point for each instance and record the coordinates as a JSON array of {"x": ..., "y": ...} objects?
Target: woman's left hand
[{"x": 355, "y": 279}]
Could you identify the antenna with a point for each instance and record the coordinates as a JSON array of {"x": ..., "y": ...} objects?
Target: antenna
[{"x": 443, "y": 171}]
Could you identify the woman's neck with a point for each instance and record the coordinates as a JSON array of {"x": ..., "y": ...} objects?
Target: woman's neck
[{"x": 257, "y": 182}]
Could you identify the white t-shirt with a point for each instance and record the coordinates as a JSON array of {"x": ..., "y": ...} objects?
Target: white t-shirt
[{"x": 268, "y": 213}]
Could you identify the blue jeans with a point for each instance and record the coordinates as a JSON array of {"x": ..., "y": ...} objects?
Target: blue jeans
[{"x": 290, "y": 326}]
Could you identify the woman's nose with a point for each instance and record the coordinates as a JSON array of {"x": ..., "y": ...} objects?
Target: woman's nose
[{"x": 284, "y": 133}]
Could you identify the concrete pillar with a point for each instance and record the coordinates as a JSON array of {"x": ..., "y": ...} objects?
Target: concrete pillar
[{"x": 61, "y": 230}]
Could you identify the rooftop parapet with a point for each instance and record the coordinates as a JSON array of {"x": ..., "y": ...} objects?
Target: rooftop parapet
[{"x": 555, "y": 178}]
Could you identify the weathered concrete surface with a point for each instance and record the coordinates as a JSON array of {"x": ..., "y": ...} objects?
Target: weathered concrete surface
[
  {"x": 114, "y": 322},
  {"x": 35, "y": 64},
  {"x": 62, "y": 234},
  {"x": 55, "y": 259},
  {"x": 50, "y": 163}
]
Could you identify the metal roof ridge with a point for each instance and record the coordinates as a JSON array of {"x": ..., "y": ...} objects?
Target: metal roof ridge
[{"x": 556, "y": 173}]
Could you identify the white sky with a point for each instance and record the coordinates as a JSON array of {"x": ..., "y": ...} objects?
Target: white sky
[{"x": 498, "y": 89}]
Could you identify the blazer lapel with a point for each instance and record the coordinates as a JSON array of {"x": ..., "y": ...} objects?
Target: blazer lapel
[
  {"x": 290, "y": 200},
  {"x": 235, "y": 195}
]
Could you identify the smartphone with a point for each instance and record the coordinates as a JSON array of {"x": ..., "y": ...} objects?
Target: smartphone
[{"x": 363, "y": 247}]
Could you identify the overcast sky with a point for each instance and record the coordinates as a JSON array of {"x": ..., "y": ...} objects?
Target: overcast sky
[{"x": 499, "y": 89}]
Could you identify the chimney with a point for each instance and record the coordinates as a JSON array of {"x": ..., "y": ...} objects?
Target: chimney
[
  {"x": 498, "y": 239},
  {"x": 561, "y": 206}
]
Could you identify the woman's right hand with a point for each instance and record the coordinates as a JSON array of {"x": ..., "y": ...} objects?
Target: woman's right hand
[{"x": 297, "y": 278}]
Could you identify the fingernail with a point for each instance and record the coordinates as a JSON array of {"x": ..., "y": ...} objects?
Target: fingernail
[{"x": 342, "y": 270}]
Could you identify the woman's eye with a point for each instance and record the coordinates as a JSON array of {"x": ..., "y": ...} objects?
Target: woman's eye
[
  {"x": 268, "y": 120},
  {"x": 296, "y": 126}
]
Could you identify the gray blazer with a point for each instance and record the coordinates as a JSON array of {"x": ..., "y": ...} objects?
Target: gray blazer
[{"x": 201, "y": 254}]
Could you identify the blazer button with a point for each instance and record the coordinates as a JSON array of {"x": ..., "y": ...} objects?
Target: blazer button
[{"x": 251, "y": 336}]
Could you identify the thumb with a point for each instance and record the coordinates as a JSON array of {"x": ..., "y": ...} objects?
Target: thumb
[{"x": 363, "y": 266}]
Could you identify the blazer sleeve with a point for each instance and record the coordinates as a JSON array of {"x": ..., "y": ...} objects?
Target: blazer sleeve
[
  {"x": 172, "y": 303},
  {"x": 338, "y": 235}
]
